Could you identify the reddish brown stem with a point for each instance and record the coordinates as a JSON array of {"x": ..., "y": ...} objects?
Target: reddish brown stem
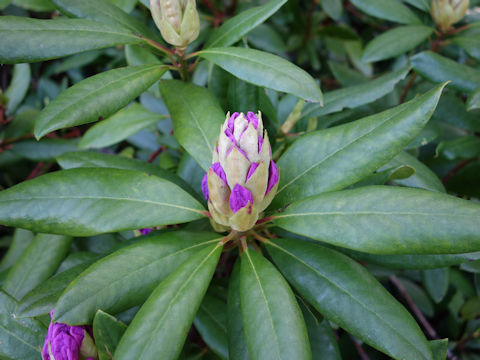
[
  {"x": 456, "y": 169},
  {"x": 156, "y": 153},
  {"x": 407, "y": 87}
]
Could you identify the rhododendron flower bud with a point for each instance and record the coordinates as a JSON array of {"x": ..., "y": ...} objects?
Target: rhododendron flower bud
[
  {"x": 243, "y": 178},
  {"x": 448, "y": 12},
  {"x": 64, "y": 342},
  {"x": 177, "y": 20}
]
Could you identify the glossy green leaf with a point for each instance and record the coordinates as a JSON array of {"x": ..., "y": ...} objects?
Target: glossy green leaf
[
  {"x": 387, "y": 220},
  {"x": 473, "y": 101},
  {"x": 20, "y": 38},
  {"x": 439, "y": 349},
  {"x": 340, "y": 156},
  {"x": 273, "y": 323},
  {"x": 18, "y": 87},
  {"x": 138, "y": 55},
  {"x": 464, "y": 147},
  {"x": 35, "y": 5},
  {"x": 39, "y": 261},
  {"x": 211, "y": 323},
  {"x": 387, "y": 10},
  {"x": 89, "y": 201},
  {"x": 418, "y": 296},
  {"x": 436, "y": 283},
  {"x": 162, "y": 323},
  {"x": 42, "y": 299},
  {"x": 237, "y": 346},
  {"x": 235, "y": 28},
  {"x": 438, "y": 68},
  {"x": 423, "y": 5},
  {"x": 471, "y": 44},
  {"x": 125, "y": 5},
  {"x": 347, "y": 294},
  {"x": 126, "y": 277},
  {"x": 21, "y": 241},
  {"x": 119, "y": 126},
  {"x": 107, "y": 331},
  {"x": 395, "y": 42},
  {"x": 45, "y": 149},
  {"x": 266, "y": 70},
  {"x": 333, "y": 8},
  {"x": 355, "y": 96},
  {"x": 19, "y": 338},
  {"x": 104, "y": 12},
  {"x": 196, "y": 116},
  {"x": 97, "y": 97}
]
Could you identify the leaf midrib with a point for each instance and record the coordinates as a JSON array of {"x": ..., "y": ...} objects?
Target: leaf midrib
[
  {"x": 16, "y": 337},
  {"x": 355, "y": 213}
]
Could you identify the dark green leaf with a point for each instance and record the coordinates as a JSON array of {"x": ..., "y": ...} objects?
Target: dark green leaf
[
  {"x": 388, "y": 10},
  {"x": 107, "y": 331},
  {"x": 89, "y": 201},
  {"x": 162, "y": 323},
  {"x": 464, "y": 147},
  {"x": 127, "y": 277},
  {"x": 423, "y": 5},
  {"x": 18, "y": 87},
  {"x": 436, "y": 283},
  {"x": 97, "y": 97},
  {"x": 439, "y": 349},
  {"x": 333, "y": 8},
  {"x": 473, "y": 101},
  {"x": 28, "y": 40},
  {"x": 273, "y": 323},
  {"x": 471, "y": 44},
  {"x": 35, "y": 5},
  {"x": 418, "y": 296},
  {"x": 45, "y": 149},
  {"x": 196, "y": 116},
  {"x": 340, "y": 156},
  {"x": 347, "y": 294},
  {"x": 21, "y": 240},
  {"x": 387, "y": 220},
  {"x": 266, "y": 70}
]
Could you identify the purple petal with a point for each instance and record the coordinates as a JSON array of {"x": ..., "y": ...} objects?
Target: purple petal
[
  {"x": 230, "y": 136},
  {"x": 231, "y": 121},
  {"x": 272, "y": 176},
  {"x": 205, "y": 186},
  {"x": 239, "y": 198},
  {"x": 241, "y": 152},
  {"x": 217, "y": 168},
  {"x": 260, "y": 143},
  {"x": 145, "y": 231},
  {"x": 252, "y": 169},
  {"x": 252, "y": 118}
]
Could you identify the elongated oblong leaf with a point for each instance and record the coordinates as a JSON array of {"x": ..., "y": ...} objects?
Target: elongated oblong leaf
[
  {"x": 273, "y": 323},
  {"x": 21, "y": 239},
  {"x": 396, "y": 42},
  {"x": 266, "y": 70},
  {"x": 347, "y": 294},
  {"x": 126, "y": 277},
  {"x": 388, "y": 10},
  {"x": 23, "y": 39},
  {"x": 471, "y": 44},
  {"x": 107, "y": 332},
  {"x": 89, "y": 201},
  {"x": 162, "y": 323},
  {"x": 196, "y": 116},
  {"x": 237, "y": 27},
  {"x": 387, "y": 220},
  {"x": 340, "y": 156},
  {"x": 18, "y": 87},
  {"x": 97, "y": 97}
]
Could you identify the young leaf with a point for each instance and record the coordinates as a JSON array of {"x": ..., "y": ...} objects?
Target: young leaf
[
  {"x": 20, "y": 38},
  {"x": 340, "y": 156},
  {"x": 347, "y": 294},
  {"x": 235, "y": 28},
  {"x": 126, "y": 277},
  {"x": 18, "y": 87},
  {"x": 196, "y": 116},
  {"x": 90, "y": 201},
  {"x": 266, "y": 70},
  {"x": 388, "y": 10},
  {"x": 162, "y": 323},
  {"x": 39, "y": 261},
  {"x": 273, "y": 323},
  {"x": 107, "y": 331},
  {"x": 97, "y": 97},
  {"x": 436, "y": 282},
  {"x": 396, "y": 42},
  {"x": 387, "y": 220}
]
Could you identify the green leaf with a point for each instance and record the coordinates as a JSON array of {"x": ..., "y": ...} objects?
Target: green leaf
[
  {"x": 237, "y": 346},
  {"x": 273, "y": 323},
  {"x": 119, "y": 126},
  {"x": 211, "y": 323},
  {"x": 464, "y": 147},
  {"x": 395, "y": 42},
  {"x": 196, "y": 116},
  {"x": 437, "y": 68},
  {"x": 20, "y": 38},
  {"x": 340, "y": 156},
  {"x": 35, "y": 5},
  {"x": 20, "y": 338},
  {"x": 21, "y": 240},
  {"x": 104, "y": 12},
  {"x": 423, "y": 5},
  {"x": 97, "y": 97},
  {"x": 387, "y": 10},
  {"x": 418, "y": 295},
  {"x": 45, "y": 149},
  {"x": 125, "y": 5},
  {"x": 126, "y": 277},
  {"x": 83, "y": 202},
  {"x": 387, "y": 220},
  {"x": 436, "y": 283},
  {"x": 42, "y": 299},
  {"x": 333, "y": 8},
  {"x": 439, "y": 349},
  {"x": 473, "y": 101},
  {"x": 18, "y": 87},
  {"x": 355, "y": 96},
  {"x": 107, "y": 331},
  {"x": 266, "y": 70},
  {"x": 471, "y": 44},
  {"x": 347, "y": 294},
  {"x": 235, "y": 28},
  {"x": 162, "y": 323},
  {"x": 39, "y": 261}
]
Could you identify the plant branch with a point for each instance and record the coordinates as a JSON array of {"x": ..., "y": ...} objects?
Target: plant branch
[{"x": 456, "y": 169}]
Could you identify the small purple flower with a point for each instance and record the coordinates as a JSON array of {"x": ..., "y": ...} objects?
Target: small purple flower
[{"x": 239, "y": 198}]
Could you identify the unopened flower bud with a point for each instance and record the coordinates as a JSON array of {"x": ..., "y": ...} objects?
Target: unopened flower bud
[
  {"x": 243, "y": 178},
  {"x": 448, "y": 12},
  {"x": 177, "y": 20}
]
